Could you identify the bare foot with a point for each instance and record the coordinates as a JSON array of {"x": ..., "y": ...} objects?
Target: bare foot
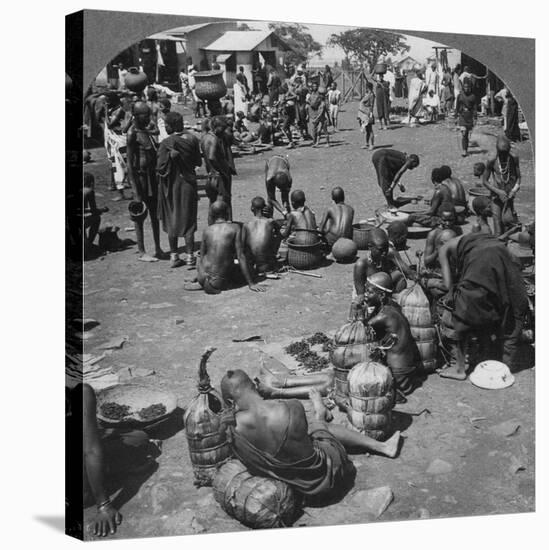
[
  {"x": 263, "y": 389},
  {"x": 391, "y": 445},
  {"x": 146, "y": 258},
  {"x": 321, "y": 412},
  {"x": 452, "y": 372}
]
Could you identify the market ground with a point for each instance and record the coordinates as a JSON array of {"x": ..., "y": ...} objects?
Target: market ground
[{"x": 168, "y": 328}]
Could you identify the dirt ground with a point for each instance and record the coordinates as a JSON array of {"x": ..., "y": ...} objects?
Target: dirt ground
[{"x": 168, "y": 328}]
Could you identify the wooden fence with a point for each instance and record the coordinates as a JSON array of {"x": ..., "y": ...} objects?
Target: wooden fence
[{"x": 352, "y": 84}]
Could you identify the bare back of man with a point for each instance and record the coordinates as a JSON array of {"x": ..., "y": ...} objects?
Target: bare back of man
[
  {"x": 302, "y": 222},
  {"x": 277, "y": 427},
  {"x": 339, "y": 222},
  {"x": 216, "y": 267},
  {"x": 259, "y": 236}
]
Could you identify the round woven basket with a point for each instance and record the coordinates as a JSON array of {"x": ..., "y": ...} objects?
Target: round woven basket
[
  {"x": 136, "y": 397},
  {"x": 304, "y": 256},
  {"x": 209, "y": 85},
  {"x": 360, "y": 234}
]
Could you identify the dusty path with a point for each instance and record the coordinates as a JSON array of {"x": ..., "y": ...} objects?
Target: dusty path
[{"x": 169, "y": 327}]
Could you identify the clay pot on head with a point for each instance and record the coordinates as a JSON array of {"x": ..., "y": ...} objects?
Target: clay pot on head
[{"x": 136, "y": 80}]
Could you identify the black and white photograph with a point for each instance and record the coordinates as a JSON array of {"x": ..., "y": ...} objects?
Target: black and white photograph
[{"x": 300, "y": 274}]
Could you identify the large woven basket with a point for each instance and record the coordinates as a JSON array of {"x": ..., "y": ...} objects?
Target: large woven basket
[
  {"x": 416, "y": 308},
  {"x": 360, "y": 234},
  {"x": 209, "y": 85},
  {"x": 257, "y": 502},
  {"x": 304, "y": 256}
]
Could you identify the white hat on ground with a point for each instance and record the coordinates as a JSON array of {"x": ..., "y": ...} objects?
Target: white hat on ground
[{"x": 492, "y": 375}]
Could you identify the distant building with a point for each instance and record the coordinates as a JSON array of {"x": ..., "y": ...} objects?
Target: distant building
[
  {"x": 406, "y": 64},
  {"x": 234, "y": 49}
]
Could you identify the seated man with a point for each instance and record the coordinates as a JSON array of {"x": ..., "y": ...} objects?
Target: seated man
[
  {"x": 300, "y": 222},
  {"x": 489, "y": 297},
  {"x": 106, "y": 453},
  {"x": 380, "y": 257},
  {"x": 261, "y": 239},
  {"x": 274, "y": 439},
  {"x": 393, "y": 332},
  {"x": 442, "y": 194},
  {"x": 277, "y": 176},
  {"x": 433, "y": 278},
  {"x": 91, "y": 215},
  {"x": 459, "y": 196},
  {"x": 398, "y": 235},
  {"x": 221, "y": 245},
  {"x": 337, "y": 222},
  {"x": 432, "y": 244},
  {"x": 482, "y": 209}
]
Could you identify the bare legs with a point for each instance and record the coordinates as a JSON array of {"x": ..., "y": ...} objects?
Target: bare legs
[
  {"x": 354, "y": 440},
  {"x": 139, "y": 233},
  {"x": 464, "y": 142},
  {"x": 293, "y": 387}
]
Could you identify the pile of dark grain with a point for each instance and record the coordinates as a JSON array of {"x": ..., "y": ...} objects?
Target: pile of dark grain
[{"x": 311, "y": 360}]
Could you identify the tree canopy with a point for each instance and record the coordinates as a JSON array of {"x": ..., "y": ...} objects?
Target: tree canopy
[
  {"x": 363, "y": 46},
  {"x": 296, "y": 36}
]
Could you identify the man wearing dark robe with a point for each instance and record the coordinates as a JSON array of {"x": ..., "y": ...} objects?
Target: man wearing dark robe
[
  {"x": 178, "y": 156},
  {"x": 488, "y": 296}
]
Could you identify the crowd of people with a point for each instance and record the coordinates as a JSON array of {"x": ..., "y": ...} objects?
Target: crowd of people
[{"x": 474, "y": 284}]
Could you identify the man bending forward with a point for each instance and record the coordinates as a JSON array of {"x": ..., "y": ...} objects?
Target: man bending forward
[{"x": 274, "y": 439}]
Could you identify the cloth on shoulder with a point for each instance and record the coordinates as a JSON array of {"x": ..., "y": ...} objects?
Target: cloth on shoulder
[
  {"x": 321, "y": 474},
  {"x": 490, "y": 285}
]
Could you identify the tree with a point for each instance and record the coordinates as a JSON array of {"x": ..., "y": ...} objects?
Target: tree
[
  {"x": 364, "y": 46},
  {"x": 304, "y": 46}
]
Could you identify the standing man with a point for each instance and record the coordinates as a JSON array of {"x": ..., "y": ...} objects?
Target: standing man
[
  {"x": 178, "y": 156},
  {"x": 241, "y": 77},
  {"x": 218, "y": 165},
  {"x": 390, "y": 166},
  {"x": 273, "y": 86},
  {"x": 141, "y": 153},
  {"x": 505, "y": 171},
  {"x": 466, "y": 111},
  {"x": 334, "y": 99}
]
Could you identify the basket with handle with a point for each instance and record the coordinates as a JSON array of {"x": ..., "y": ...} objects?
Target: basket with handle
[{"x": 304, "y": 256}]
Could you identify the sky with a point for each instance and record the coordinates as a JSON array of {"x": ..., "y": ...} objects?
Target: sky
[{"x": 420, "y": 49}]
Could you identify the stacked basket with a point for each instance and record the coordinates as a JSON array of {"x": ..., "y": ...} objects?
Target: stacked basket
[
  {"x": 371, "y": 398},
  {"x": 353, "y": 342},
  {"x": 415, "y": 307}
]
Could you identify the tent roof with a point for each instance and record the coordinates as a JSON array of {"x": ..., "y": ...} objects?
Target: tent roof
[
  {"x": 241, "y": 41},
  {"x": 187, "y": 29},
  {"x": 166, "y": 36}
]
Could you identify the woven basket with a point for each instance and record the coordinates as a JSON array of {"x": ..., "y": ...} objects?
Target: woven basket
[
  {"x": 341, "y": 385},
  {"x": 416, "y": 308},
  {"x": 209, "y": 85},
  {"x": 376, "y": 426},
  {"x": 371, "y": 398},
  {"x": 360, "y": 234},
  {"x": 304, "y": 256},
  {"x": 136, "y": 397},
  {"x": 257, "y": 502}
]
